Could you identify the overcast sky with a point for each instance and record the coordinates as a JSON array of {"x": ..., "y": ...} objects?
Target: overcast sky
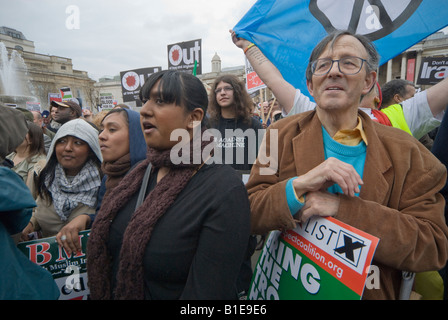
[{"x": 115, "y": 36}]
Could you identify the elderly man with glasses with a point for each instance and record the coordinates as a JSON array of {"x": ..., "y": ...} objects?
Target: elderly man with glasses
[{"x": 336, "y": 162}]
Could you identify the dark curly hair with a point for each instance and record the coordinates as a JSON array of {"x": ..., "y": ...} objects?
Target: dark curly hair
[{"x": 243, "y": 102}]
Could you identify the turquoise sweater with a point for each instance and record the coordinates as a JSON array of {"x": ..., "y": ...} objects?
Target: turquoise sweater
[{"x": 354, "y": 155}]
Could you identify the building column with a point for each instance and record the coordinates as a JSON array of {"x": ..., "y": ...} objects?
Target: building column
[
  {"x": 418, "y": 62},
  {"x": 389, "y": 70},
  {"x": 403, "y": 65}
]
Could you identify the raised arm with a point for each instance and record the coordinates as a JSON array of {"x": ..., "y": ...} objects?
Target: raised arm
[
  {"x": 268, "y": 73},
  {"x": 438, "y": 97}
]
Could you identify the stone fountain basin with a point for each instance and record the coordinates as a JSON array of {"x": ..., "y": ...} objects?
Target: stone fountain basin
[{"x": 20, "y": 101}]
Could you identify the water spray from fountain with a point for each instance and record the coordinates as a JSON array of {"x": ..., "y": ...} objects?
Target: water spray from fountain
[{"x": 15, "y": 87}]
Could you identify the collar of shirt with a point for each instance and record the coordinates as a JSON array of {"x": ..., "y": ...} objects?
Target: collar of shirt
[{"x": 351, "y": 137}]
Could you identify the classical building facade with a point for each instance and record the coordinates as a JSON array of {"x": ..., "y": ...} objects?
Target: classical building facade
[
  {"x": 408, "y": 64},
  {"x": 48, "y": 73}
]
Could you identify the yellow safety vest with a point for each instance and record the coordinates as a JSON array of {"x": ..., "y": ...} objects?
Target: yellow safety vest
[{"x": 396, "y": 116}]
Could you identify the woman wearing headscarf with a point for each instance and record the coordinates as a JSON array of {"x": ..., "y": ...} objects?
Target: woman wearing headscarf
[
  {"x": 122, "y": 146},
  {"x": 171, "y": 229},
  {"x": 68, "y": 185}
]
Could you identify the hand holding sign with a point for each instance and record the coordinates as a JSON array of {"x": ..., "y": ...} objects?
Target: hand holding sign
[
  {"x": 68, "y": 237},
  {"x": 319, "y": 203}
]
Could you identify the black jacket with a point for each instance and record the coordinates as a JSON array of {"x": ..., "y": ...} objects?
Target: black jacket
[{"x": 198, "y": 246}]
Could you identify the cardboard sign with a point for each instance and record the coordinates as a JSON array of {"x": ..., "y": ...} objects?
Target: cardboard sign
[
  {"x": 432, "y": 70},
  {"x": 186, "y": 56},
  {"x": 68, "y": 271},
  {"x": 33, "y": 106},
  {"x": 107, "y": 101},
  {"x": 253, "y": 81},
  {"x": 133, "y": 80},
  {"x": 321, "y": 259},
  {"x": 54, "y": 97}
]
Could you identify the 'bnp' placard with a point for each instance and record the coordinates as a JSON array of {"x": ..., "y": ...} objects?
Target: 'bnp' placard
[{"x": 69, "y": 271}]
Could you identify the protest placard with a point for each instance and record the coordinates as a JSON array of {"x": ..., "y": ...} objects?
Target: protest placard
[
  {"x": 321, "y": 259},
  {"x": 69, "y": 271},
  {"x": 133, "y": 80},
  {"x": 253, "y": 81}
]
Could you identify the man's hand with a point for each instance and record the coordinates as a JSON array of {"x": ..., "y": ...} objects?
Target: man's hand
[
  {"x": 239, "y": 42},
  {"x": 326, "y": 174},
  {"x": 319, "y": 203}
]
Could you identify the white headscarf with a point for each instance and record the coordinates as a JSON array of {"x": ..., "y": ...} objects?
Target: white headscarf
[
  {"x": 81, "y": 129},
  {"x": 84, "y": 187}
]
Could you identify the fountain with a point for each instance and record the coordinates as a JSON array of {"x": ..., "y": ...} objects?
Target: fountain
[{"x": 15, "y": 88}]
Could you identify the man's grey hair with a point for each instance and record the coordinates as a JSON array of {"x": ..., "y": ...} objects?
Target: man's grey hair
[{"x": 372, "y": 59}]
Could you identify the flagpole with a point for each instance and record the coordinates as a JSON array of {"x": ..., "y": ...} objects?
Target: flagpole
[
  {"x": 261, "y": 106},
  {"x": 195, "y": 67},
  {"x": 270, "y": 109}
]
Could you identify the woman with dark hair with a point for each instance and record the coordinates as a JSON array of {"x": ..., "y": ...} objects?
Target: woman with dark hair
[
  {"x": 68, "y": 185},
  {"x": 122, "y": 146},
  {"x": 29, "y": 156},
  {"x": 171, "y": 231},
  {"x": 231, "y": 109}
]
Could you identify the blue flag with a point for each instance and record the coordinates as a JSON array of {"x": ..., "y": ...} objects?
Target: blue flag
[{"x": 286, "y": 31}]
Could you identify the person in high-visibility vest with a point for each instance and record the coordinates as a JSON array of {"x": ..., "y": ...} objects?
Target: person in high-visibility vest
[{"x": 410, "y": 111}]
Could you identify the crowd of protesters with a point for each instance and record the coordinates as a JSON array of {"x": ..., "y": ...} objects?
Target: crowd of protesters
[{"x": 169, "y": 215}]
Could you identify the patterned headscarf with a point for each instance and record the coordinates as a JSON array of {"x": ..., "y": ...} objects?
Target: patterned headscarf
[
  {"x": 67, "y": 194},
  {"x": 83, "y": 188}
]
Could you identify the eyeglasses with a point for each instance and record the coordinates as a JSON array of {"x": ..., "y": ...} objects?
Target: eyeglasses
[
  {"x": 226, "y": 89},
  {"x": 346, "y": 65}
]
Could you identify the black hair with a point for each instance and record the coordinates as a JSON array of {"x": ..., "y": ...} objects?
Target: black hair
[
  {"x": 50, "y": 169},
  {"x": 181, "y": 88},
  {"x": 393, "y": 87}
]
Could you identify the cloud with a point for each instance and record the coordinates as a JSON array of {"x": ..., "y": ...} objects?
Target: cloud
[{"x": 114, "y": 35}]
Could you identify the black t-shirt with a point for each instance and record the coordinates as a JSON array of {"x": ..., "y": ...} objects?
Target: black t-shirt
[{"x": 239, "y": 147}]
